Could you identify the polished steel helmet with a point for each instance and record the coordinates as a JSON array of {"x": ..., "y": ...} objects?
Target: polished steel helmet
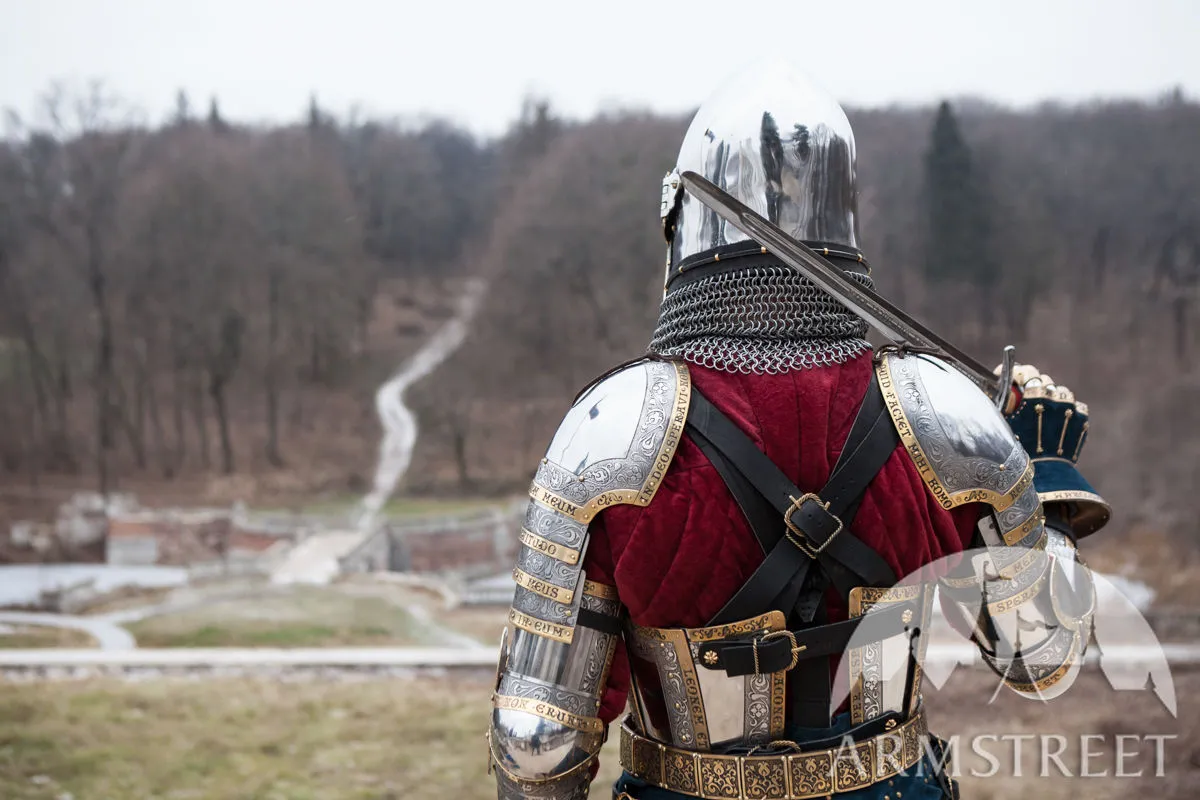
[{"x": 783, "y": 146}]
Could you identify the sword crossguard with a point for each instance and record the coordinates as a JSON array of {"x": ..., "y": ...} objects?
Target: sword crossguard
[{"x": 1005, "y": 396}]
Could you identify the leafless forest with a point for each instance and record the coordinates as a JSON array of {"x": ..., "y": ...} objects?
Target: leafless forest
[{"x": 204, "y": 303}]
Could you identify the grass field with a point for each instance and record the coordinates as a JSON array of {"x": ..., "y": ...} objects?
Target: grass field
[
  {"x": 245, "y": 739},
  {"x": 401, "y": 506},
  {"x": 292, "y": 617},
  {"x": 31, "y": 636},
  {"x": 225, "y": 739}
]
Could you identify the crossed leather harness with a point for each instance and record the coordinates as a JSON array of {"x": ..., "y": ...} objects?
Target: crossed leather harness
[{"x": 813, "y": 531}]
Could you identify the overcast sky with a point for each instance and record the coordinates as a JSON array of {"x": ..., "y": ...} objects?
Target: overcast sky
[{"x": 474, "y": 61}]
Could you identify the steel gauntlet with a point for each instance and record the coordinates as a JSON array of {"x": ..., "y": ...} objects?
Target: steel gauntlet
[{"x": 1052, "y": 426}]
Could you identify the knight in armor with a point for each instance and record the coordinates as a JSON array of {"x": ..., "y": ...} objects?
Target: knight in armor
[{"x": 715, "y": 524}]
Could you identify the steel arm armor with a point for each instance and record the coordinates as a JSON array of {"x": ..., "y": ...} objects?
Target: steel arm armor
[
  {"x": 545, "y": 731},
  {"x": 1005, "y": 590},
  {"x": 613, "y": 447}
]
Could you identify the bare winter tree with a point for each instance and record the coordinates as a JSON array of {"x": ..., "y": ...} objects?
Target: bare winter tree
[{"x": 76, "y": 167}]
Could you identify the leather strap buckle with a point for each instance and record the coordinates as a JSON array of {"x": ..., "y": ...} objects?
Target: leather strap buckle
[
  {"x": 797, "y": 648},
  {"x": 798, "y": 537}
]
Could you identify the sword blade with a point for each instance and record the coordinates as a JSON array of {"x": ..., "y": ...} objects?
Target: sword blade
[{"x": 879, "y": 312}]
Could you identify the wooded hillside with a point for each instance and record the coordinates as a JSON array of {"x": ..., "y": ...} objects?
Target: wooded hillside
[{"x": 202, "y": 298}]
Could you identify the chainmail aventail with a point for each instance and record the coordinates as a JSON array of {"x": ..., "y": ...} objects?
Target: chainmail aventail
[{"x": 765, "y": 318}]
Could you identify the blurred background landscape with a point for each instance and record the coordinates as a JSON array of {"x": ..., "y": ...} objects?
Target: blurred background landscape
[{"x": 213, "y": 323}]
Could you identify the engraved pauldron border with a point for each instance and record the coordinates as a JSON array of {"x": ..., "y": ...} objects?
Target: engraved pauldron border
[
  {"x": 953, "y": 474},
  {"x": 634, "y": 478},
  {"x": 549, "y": 570}
]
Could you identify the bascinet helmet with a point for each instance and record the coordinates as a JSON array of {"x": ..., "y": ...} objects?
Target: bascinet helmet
[{"x": 774, "y": 140}]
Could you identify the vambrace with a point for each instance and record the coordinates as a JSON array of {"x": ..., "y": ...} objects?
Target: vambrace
[
  {"x": 1032, "y": 611},
  {"x": 613, "y": 448},
  {"x": 545, "y": 733}
]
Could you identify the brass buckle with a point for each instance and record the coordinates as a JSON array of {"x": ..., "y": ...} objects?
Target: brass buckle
[
  {"x": 799, "y": 537},
  {"x": 775, "y": 744},
  {"x": 797, "y": 648}
]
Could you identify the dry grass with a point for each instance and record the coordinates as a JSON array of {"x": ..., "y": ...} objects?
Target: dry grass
[
  {"x": 394, "y": 738},
  {"x": 482, "y": 623},
  {"x": 226, "y": 739},
  {"x": 294, "y": 617},
  {"x": 34, "y": 636}
]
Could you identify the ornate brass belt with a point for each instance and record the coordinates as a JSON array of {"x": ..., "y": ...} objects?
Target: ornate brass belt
[{"x": 775, "y": 777}]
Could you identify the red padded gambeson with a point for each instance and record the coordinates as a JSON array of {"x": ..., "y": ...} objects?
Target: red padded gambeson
[{"x": 677, "y": 561}]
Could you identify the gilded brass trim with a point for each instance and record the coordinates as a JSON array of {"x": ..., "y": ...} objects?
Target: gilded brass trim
[
  {"x": 547, "y": 630},
  {"x": 1013, "y": 571},
  {"x": 691, "y": 686},
  {"x": 538, "y": 586},
  {"x": 684, "y": 642},
  {"x": 582, "y": 513},
  {"x": 797, "y": 776},
  {"x": 559, "y": 552},
  {"x": 553, "y": 713},
  {"x": 999, "y": 501},
  {"x": 778, "y": 721},
  {"x": 861, "y": 600},
  {"x": 1037, "y": 687},
  {"x": 855, "y": 664},
  {"x": 1021, "y": 531},
  {"x": 763, "y": 623},
  {"x": 1078, "y": 447},
  {"x": 959, "y": 583},
  {"x": 863, "y": 597},
  {"x": 662, "y": 461},
  {"x": 973, "y": 580},
  {"x": 601, "y": 590},
  {"x": 1063, "y": 435},
  {"x": 1040, "y": 409},
  {"x": 1059, "y": 459},
  {"x": 1071, "y": 495},
  {"x": 1020, "y": 598}
]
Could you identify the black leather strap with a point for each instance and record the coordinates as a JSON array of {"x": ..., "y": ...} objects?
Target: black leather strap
[
  {"x": 858, "y": 733},
  {"x": 810, "y": 685},
  {"x": 760, "y": 488},
  {"x": 600, "y": 622},
  {"x": 775, "y": 650},
  {"x": 744, "y": 255}
]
